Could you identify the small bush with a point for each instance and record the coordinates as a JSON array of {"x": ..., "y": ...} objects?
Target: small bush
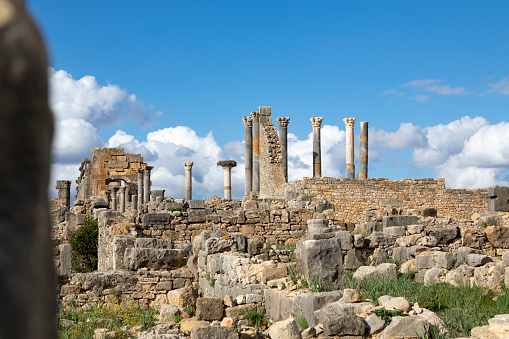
[
  {"x": 387, "y": 315},
  {"x": 255, "y": 316},
  {"x": 292, "y": 272},
  {"x": 189, "y": 310},
  {"x": 84, "y": 247},
  {"x": 301, "y": 321}
]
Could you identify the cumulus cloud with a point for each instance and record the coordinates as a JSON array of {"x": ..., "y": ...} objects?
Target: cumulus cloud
[{"x": 406, "y": 137}]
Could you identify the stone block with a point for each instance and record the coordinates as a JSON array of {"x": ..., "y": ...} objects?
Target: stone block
[
  {"x": 346, "y": 240},
  {"x": 322, "y": 260},
  {"x": 156, "y": 258},
  {"x": 167, "y": 313},
  {"x": 498, "y": 199},
  {"x": 476, "y": 260},
  {"x": 382, "y": 271},
  {"x": 498, "y": 236},
  {"x": 351, "y": 296},
  {"x": 398, "y": 303},
  {"x": 237, "y": 312},
  {"x": 408, "y": 327},
  {"x": 197, "y": 216},
  {"x": 285, "y": 329},
  {"x": 399, "y": 220},
  {"x": 153, "y": 243},
  {"x": 65, "y": 259},
  {"x": 156, "y": 218},
  {"x": 209, "y": 308},
  {"x": 119, "y": 244},
  {"x": 352, "y": 261},
  {"x": 187, "y": 324},
  {"x": 196, "y": 204},
  {"x": 218, "y": 245},
  {"x": 424, "y": 261},
  {"x": 444, "y": 235},
  {"x": 183, "y": 297},
  {"x": 346, "y": 325},
  {"x": 100, "y": 204},
  {"x": 433, "y": 275},
  {"x": 214, "y": 332},
  {"x": 429, "y": 212},
  {"x": 395, "y": 230}
]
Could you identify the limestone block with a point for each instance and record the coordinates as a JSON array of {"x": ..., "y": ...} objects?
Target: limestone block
[
  {"x": 346, "y": 240},
  {"x": 398, "y": 303},
  {"x": 375, "y": 323},
  {"x": 444, "y": 235},
  {"x": 156, "y": 218},
  {"x": 214, "y": 332},
  {"x": 463, "y": 252},
  {"x": 251, "y": 298},
  {"x": 187, "y": 324},
  {"x": 119, "y": 244},
  {"x": 379, "y": 240},
  {"x": 473, "y": 237},
  {"x": 476, "y": 260},
  {"x": 209, "y": 308},
  {"x": 383, "y": 271},
  {"x": 183, "y": 297},
  {"x": 65, "y": 259},
  {"x": 351, "y": 296},
  {"x": 341, "y": 308},
  {"x": 156, "y": 258},
  {"x": 399, "y": 254},
  {"x": 395, "y": 231},
  {"x": 99, "y": 280},
  {"x": 408, "y": 266},
  {"x": 351, "y": 260},
  {"x": 498, "y": 236},
  {"x": 237, "y": 312},
  {"x": 167, "y": 313},
  {"x": 218, "y": 245},
  {"x": 285, "y": 329},
  {"x": 460, "y": 275},
  {"x": 153, "y": 243},
  {"x": 345, "y": 325},
  {"x": 358, "y": 240},
  {"x": 498, "y": 199},
  {"x": 399, "y": 220},
  {"x": 409, "y": 240},
  {"x": 445, "y": 260},
  {"x": 415, "y": 229},
  {"x": 407, "y": 327},
  {"x": 433, "y": 275}
]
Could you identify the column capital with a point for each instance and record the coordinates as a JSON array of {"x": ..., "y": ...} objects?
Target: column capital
[
  {"x": 188, "y": 165},
  {"x": 227, "y": 164},
  {"x": 283, "y": 121},
  {"x": 114, "y": 188},
  {"x": 255, "y": 114},
  {"x": 122, "y": 189},
  {"x": 248, "y": 121},
  {"x": 316, "y": 121},
  {"x": 61, "y": 184},
  {"x": 349, "y": 122},
  {"x": 148, "y": 169}
]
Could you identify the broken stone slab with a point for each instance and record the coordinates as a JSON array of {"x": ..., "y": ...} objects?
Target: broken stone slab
[
  {"x": 183, "y": 297},
  {"x": 399, "y": 220},
  {"x": 408, "y": 328},
  {"x": 167, "y": 313},
  {"x": 398, "y": 303},
  {"x": 433, "y": 276},
  {"x": 156, "y": 258},
  {"x": 209, "y": 309},
  {"x": 100, "y": 280},
  {"x": 214, "y": 332},
  {"x": 351, "y": 296},
  {"x": 65, "y": 259},
  {"x": 156, "y": 219},
  {"x": 346, "y": 240},
  {"x": 380, "y": 240},
  {"x": 99, "y": 204},
  {"x": 444, "y": 235},
  {"x": 197, "y": 216},
  {"x": 395, "y": 231},
  {"x": 345, "y": 325},
  {"x": 352, "y": 261},
  {"x": 382, "y": 271},
  {"x": 460, "y": 275},
  {"x": 218, "y": 245},
  {"x": 285, "y": 329},
  {"x": 196, "y": 204},
  {"x": 153, "y": 243},
  {"x": 498, "y": 236},
  {"x": 341, "y": 308},
  {"x": 476, "y": 260}
]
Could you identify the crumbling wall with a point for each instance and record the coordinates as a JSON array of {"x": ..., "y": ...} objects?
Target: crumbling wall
[
  {"x": 271, "y": 169},
  {"x": 355, "y": 198},
  {"x": 108, "y": 164}
]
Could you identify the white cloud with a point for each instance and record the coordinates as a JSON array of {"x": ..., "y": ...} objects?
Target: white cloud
[
  {"x": 393, "y": 92},
  {"x": 421, "y": 83},
  {"x": 501, "y": 86},
  {"x": 406, "y": 137},
  {"x": 430, "y": 85},
  {"x": 74, "y": 138},
  {"x": 421, "y": 98}
]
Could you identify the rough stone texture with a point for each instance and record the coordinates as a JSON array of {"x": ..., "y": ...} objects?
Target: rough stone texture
[
  {"x": 167, "y": 313},
  {"x": 498, "y": 236},
  {"x": 398, "y": 303},
  {"x": 183, "y": 297},
  {"x": 322, "y": 260},
  {"x": 26, "y": 128},
  {"x": 444, "y": 235},
  {"x": 351, "y": 296},
  {"x": 375, "y": 323},
  {"x": 407, "y": 328},
  {"x": 187, "y": 324},
  {"x": 460, "y": 275},
  {"x": 384, "y": 271},
  {"x": 153, "y": 258},
  {"x": 65, "y": 259},
  {"x": 100, "y": 280},
  {"x": 271, "y": 168},
  {"x": 285, "y": 329},
  {"x": 498, "y": 199},
  {"x": 209, "y": 308},
  {"x": 213, "y": 332},
  {"x": 433, "y": 275},
  {"x": 346, "y": 325}
]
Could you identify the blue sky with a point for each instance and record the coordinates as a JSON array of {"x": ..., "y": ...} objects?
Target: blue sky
[{"x": 151, "y": 67}]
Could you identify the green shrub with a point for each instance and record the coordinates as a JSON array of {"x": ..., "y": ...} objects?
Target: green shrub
[
  {"x": 301, "y": 321},
  {"x": 255, "y": 316},
  {"x": 387, "y": 315},
  {"x": 84, "y": 247}
]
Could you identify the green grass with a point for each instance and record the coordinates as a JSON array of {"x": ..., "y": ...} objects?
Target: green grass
[
  {"x": 301, "y": 321},
  {"x": 108, "y": 316},
  {"x": 319, "y": 286},
  {"x": 255, "y": 316},
  {"x": 462, "y": 308}
]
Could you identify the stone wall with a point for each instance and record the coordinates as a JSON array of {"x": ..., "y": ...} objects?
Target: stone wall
[
  {"x": 354, "y": 199},
  {"x": 108, "y": 164},
  {"x": 271, "y": 168}
]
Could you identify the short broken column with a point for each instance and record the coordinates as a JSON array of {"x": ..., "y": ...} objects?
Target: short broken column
[
  {"x": 146, "y": 184},
  {"x": 350, "y": 151},
  {"x": 319, "y": 257},
  {"x": 256, "y": 151},
  {"x": 188, "y": 194},
  {"x": 63, "y": 193},
  {"x": 283, "y": 131},
  {"x": 227, "y": 167},
  {"x": 363, "y": 151},
  {"x": 248, "y": 143},
  {"x": 316, "y": 122},
  {"x": 134, "y": 202},
  {"x": 114, "y": 198},
  {"x": 122, "y": 199},
  {"x": 140, "y": 187}
]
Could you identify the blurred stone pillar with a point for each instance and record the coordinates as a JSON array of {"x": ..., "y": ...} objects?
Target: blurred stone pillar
[
  {"x": 256, "y": 151},
  {"x": 248, "y": 143},
  {"x": 134, "y": 203},
  {"x": 283, "y": 131},
  {"x": 316, "y": 122},
  {"x": 188, "y": 194},
  {"x": 350, "y": 151},
  {"x": 146, "y": 184},
  {"x": 64, "y": 193},
  {"x": 127, "y": 192},
  {"x": 140, "y": 187},
  {"x": 114, "y": 198},
  {"x": 363, "y": 152},
  {"x": 122, "y": 199},
  {"x": 227, "y": 167}
]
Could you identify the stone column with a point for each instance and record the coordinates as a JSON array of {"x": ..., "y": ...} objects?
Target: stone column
[
  {"x": 127, "y": 192},
  {"x": 283, "y": 131},
  {"x": 363, "y": 154},
  {"x": 122, "y": 199},
  {"x": 107, "y": 197},
  {"x": 64, "y": 193},
  {"x": 248, "y": 143},
  {"x": 350, "y": 151},
  {"x": 188, "y": 195},
  {"x": 134, "y": 203},
  {"x": 256, "y": 151},
  {"x": 140, "y": 187},
  {"x": 146, "y": 184},
  {"x": 227, "y": 167},
  {"x": 114, "y": 198},
  {"x": 316, "y": 122}
]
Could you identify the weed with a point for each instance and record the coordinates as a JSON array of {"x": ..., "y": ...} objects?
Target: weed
[
  {"x": 387, "y": 315},
  {"x": 292, "y": 272},
  {"x": 255, "y": 316},
  {"x": 210, "y": 279},
  {"x": 190, "y": 310},
  {"x": 319, "y": 286},
  {"x": 177, "y": 318},
  {"x": 301, "y": 321}
]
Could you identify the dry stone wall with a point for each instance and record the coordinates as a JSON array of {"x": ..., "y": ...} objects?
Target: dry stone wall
[{"x": 354, "y": 199}]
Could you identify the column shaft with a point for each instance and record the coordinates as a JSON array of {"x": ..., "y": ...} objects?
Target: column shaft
[
  {"x": 363, "y": 153},
  {"x": 316, "y": 122},
  {"x": 140, "y": 187},
  {"x": 114, "y": 198},
  {"x": 188, "y": 194},
  {"x": 228, "y": 183},
  {"x": 350, "y": 151},
  {"x": 122, "y": 199},
  {"x": 134, "y": 203},
  {"x": 256, "y": 151},
  {"x": 146, "y": 184},
  {"x": 283, "y": 132},
  {"x": 248, "y": 141}
]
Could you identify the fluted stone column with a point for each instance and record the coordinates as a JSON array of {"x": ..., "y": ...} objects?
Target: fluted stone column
[
  {"x": 64, "y": 193},
  {"x": 283, "y": 132},
  {"x": 350, "y": 151},
  {"x": 316, "y": 122},
  {"x": 188, "y": 194},
  {"x": 227, "y": 167},
  {"x": 122, "y": 199},
  {"x": 134, "y": 203},
  {"x": 146, "y": 184},
  {"x": 363, "y": 153},
  {"x": 256, "y": 151},
  {"x": 140, "y": 187},
  {"x": 114, "y": 198},
  {"x": 248, "y": 143}
]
